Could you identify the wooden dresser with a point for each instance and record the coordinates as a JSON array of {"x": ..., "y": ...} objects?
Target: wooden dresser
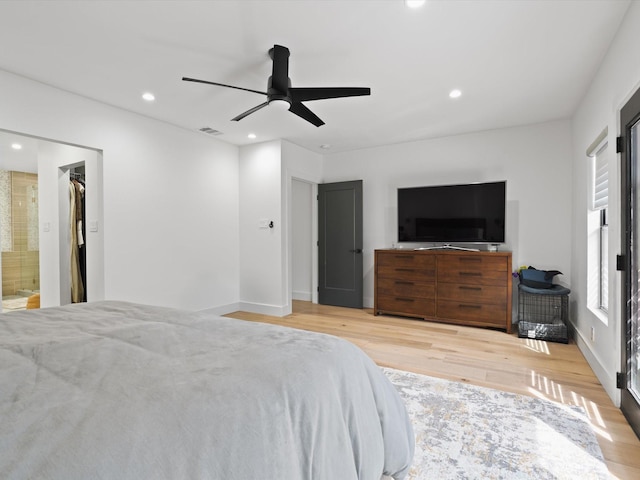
[{"x": 454, "y": 286}]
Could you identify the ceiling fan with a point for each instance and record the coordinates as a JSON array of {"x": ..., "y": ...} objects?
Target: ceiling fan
[{"x": 280, "y": 92}]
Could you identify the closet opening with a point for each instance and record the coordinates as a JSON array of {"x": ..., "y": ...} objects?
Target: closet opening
[
  {"x": 72, "y": 232},
  {"x": 77, "y": 234}
]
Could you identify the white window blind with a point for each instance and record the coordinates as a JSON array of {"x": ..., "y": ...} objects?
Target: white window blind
[{"x": 601, "y": 179}]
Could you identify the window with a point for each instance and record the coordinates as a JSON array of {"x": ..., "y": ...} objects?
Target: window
[
  {"x": 603, "y": 291},
  {"x": 599, "y": 225}
]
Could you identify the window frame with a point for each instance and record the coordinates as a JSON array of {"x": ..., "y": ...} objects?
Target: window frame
[{"x": 598, "y": 258}]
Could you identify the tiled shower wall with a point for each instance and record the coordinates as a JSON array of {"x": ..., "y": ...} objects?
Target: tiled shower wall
[
  {"x": 5, "y": 211},
  {"x": 20, "y": 255}
]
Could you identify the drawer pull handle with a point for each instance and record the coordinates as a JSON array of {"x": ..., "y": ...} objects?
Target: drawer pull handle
[
  {"x": 405, "y": 270},
  {"x": 404, "y": 299},
  {"x": 470, "y": 274},
  {"x": 399, "y": 282},
  {"x": 475, "y": 307},
  {"x": 463, "y": 287},
  {"x": 470, "y": 259}
]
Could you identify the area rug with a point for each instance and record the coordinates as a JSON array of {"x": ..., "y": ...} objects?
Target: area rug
[{"x": 468, "y": 432}]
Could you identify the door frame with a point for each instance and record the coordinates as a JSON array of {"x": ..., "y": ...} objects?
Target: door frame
[
  {"x": 313, "y": 220},
  {"x": 55, "y": 159},
  {"x": 290, "y": 175},
  {"x": 629, "y": 115}
]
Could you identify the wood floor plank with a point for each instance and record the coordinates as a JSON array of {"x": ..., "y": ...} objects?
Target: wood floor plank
[{"x": 479, "y": 356}]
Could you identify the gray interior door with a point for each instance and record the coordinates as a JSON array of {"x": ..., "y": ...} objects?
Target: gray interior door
[
  {"x": 630, "y": 227},
  {"x": 340, "y": 244}
]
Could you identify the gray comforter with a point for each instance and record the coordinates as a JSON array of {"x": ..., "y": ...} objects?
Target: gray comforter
[{"x": 114, "y": 390}]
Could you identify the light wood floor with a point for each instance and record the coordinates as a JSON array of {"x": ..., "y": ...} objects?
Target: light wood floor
[{"x": 479, "y": 356}]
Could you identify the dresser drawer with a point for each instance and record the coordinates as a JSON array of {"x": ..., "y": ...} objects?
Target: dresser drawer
[
  {"x": 422, "y": 307},
  {"x": 472, "y": 312},
  {"x": 472, "y": 277},
  {"x": 413, "y": 260},
  {"x": 410, "y": 273},
  {"x": 494, "y": 294},
  {"x": 473, "y": 263},
  {"x": 407, "y": 288}
]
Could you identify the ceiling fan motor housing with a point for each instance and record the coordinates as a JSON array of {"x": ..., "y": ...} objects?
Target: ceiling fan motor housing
[{"x": 275, "y": 94}]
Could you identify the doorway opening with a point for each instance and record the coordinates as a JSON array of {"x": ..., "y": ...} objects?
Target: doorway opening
[
  {"x": 46, "y": 208},
  {"x": 20, "y": 242},
  {"x": 19, "y": 235}
]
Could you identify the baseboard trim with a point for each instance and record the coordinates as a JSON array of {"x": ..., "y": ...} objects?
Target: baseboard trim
[
  {"x": 606, "y": 379},
  {"x": 223, "y": 309},
  {"x": 367, "y": 302},
  {"x": 304, "y": 296},
  {"x": 264, "y": 309}
]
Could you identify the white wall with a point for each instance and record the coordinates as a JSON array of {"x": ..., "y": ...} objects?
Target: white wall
[
  {"x": 171, "y": 196},
  {"x": 267, "y": 173},
  {"x": 535, "y": 160},
  {"x": 302, "y": 237},
  {"x": 616, "y": 80},
  {"x": 301, "y": 165},
  {"x": 262, "y": 264}
]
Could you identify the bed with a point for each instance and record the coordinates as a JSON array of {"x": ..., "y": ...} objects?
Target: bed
[{"x": 116, "y": 390}]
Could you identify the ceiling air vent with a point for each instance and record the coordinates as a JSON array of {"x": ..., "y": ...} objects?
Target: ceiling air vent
[{"x": 210, "y": 131}]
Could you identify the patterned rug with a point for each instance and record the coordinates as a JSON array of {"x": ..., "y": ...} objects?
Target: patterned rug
[{"x": 469, "y": 432}]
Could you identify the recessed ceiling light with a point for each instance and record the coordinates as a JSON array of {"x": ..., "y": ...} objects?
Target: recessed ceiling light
[
  {"x": 148, "y": 96},
  {"x": 455, "y": 93},
  {"x": 251, "y": 136},
  {"x": 414, "y": 3},
  {"x": 16, "y": 146}
]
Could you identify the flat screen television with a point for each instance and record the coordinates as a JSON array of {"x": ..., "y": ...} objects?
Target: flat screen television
[{"x": 469, "y": 213}]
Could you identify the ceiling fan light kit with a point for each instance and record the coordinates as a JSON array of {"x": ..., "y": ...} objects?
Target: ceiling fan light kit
[
  {"x": 282, "y": 95},
  {"x": 279, "y": 104}
]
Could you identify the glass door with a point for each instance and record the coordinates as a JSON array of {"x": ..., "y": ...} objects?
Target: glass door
[{"x": 630, "y": 396}]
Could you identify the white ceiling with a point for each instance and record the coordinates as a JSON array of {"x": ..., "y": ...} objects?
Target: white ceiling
[{"x": 517, "y": 62}]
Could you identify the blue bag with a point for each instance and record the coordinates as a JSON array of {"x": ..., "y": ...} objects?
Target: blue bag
[{"x": 534, "y": 278}]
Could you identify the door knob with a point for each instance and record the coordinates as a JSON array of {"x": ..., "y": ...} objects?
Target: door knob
[{"x": 357, "y": 250}]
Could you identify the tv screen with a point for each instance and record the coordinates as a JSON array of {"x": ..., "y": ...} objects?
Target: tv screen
[{"x": 470, "y": 213}]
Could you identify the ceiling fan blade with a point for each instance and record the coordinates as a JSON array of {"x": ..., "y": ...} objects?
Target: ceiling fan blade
[
  {"x": 320, "y": 93},
  {"x": 249, "y": 112},
  {"x": 303, "y": 112},
  {"x": 187, "y": 79},
  {"x": 280, "y": 70}
]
